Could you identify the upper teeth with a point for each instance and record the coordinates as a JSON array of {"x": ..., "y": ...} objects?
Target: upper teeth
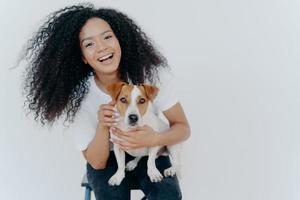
[{"x": 105, "y": 57}]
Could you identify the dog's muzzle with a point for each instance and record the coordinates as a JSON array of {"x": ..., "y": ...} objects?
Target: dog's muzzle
[{"x": 133, "y": 118}]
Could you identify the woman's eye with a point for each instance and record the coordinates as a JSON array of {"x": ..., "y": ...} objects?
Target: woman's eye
[
  {"x": 123, "y": 100},
  {"x": 142, "y": 100},
  {"x": 88, "y": 44},
  {"x": 108, "y": 37}
]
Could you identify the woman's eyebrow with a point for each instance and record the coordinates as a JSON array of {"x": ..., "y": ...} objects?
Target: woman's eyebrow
[{"x": 91, "y": 37}]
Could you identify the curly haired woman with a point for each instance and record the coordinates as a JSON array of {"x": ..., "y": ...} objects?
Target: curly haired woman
[{"x": 73, "y": 57}]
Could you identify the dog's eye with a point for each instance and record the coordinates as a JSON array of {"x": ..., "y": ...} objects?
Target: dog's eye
[
  {"x": 142, "y": 100},
  {"x": 123, "y": 100}
]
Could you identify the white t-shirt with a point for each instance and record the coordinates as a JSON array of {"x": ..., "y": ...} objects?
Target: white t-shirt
[{"x": 83, "y": 129}]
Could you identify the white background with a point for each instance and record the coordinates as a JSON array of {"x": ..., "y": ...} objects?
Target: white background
[{"x": 236, "y": 64}]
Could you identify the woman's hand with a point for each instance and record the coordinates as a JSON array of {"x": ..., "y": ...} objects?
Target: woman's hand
[
  {"x": 107, "y": 115},
  {"x": 139, "y": 137}
]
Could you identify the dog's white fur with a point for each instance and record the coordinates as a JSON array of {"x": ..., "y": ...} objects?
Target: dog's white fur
[{"x": 152, "y": 120}]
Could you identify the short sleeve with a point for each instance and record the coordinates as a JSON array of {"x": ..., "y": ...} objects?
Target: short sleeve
[
  {"x": 82, "y": 129},
  {"x": 166, "y": 97}
]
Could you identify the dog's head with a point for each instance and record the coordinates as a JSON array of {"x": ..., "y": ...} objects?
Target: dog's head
[{"x": 132, "y": 100}]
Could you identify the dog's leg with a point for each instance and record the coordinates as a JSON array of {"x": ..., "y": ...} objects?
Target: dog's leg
[
  {"x": 117, "y": 178},
  {"x": 153, "y": 173},
  {"x": 174, "y": 151},
  {"x": 131, "y": 165}
]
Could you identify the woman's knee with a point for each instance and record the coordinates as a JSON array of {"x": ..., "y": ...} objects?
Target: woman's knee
[
  {"x": 169, "y": 189},
  {"x": 98, "y": 180}
]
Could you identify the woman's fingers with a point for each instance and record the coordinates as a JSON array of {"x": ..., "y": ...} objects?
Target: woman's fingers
[
  {"x": 106, "y": 107},
  {"x": 124, "y": 145},
  {"x": 110, "y": 121},
  {"x": 124, "y": 136},
  {"x": 109, "y": 124},
  {"x": 107, "y": 114},
  {"x": 118, "y": 132}
]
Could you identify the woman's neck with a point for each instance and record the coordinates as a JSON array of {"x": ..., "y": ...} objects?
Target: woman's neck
[{"x": 102, "y": 81}]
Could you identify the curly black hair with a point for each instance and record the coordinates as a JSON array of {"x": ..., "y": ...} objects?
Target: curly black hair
[{"x": 55, "y": 80}]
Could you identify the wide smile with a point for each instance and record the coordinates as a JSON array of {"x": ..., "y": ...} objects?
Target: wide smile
[{"x": 106, "y": 59}]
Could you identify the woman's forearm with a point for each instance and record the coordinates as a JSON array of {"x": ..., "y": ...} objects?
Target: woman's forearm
[
  {"x": 97, "y": 152},
  {"x": 177, "y": 133}
]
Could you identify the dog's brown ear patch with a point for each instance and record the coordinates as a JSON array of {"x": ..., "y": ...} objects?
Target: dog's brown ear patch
[
  {"x": 151, "y": 91},
  {"x": 115, "y": 89}
]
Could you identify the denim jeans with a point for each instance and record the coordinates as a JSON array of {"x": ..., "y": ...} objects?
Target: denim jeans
[{"x": 167, "y": 189}]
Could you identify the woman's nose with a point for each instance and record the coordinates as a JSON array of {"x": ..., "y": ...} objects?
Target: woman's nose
[{"x": 101, "y": 45}]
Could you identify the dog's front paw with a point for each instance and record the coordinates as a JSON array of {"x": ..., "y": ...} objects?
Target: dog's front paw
[
  {"x": 131, "y": 165},
  {"x": 116, "y": 179},
  {"x": 171, "y": 171},
  {"x": 154, "y": 175}
]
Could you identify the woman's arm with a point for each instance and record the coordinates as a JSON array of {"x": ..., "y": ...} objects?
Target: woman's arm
[
  {"x": 97, "y": 152},
  {"x": 179, "y": 127}
]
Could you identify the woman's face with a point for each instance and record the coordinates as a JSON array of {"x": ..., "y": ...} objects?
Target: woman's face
[{"x": 100, "y": 47}]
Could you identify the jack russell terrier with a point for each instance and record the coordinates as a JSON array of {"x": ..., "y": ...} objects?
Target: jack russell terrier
[{"x": 133, "y": 102}]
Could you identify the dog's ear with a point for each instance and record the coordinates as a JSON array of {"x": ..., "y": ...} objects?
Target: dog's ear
[
  {"x": 151, "y": 91},
  {"x": 115, "y": 89}
]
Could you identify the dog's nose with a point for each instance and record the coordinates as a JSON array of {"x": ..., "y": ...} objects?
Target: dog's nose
[{"x": 133, "y": 118}]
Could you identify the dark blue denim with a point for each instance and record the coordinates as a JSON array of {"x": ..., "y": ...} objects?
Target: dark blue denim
[{"x": 167, "y": 189}]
